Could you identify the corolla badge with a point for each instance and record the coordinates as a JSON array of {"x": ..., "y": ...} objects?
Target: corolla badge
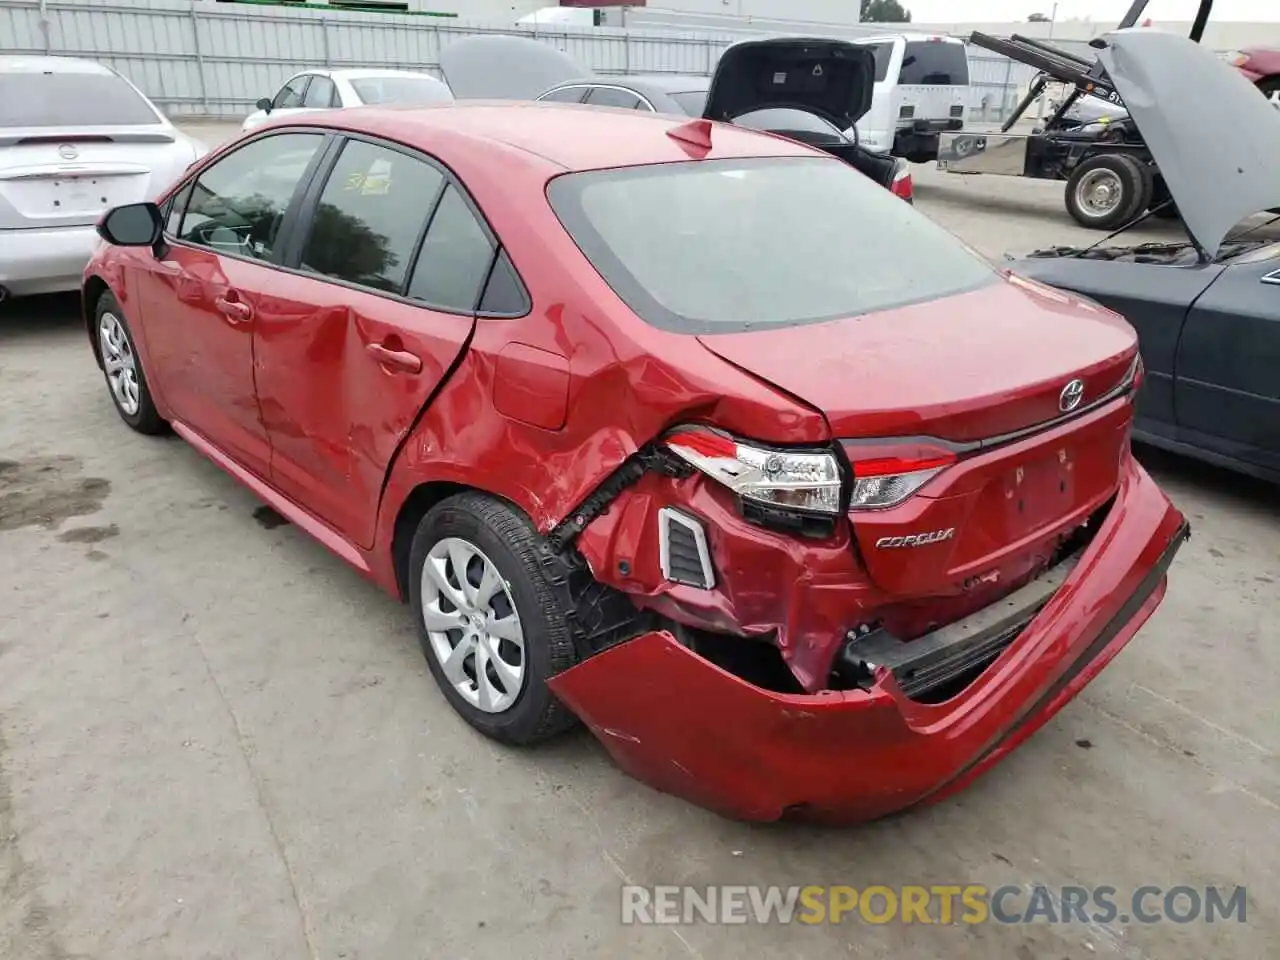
[
  {"x": 68, "y": 152},
  {"x": 1071, "y": 396},
  {"x": 915, "y": 539}
]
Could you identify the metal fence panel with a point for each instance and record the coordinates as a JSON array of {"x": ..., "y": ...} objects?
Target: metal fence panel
[{"x": 214, "y": 61}]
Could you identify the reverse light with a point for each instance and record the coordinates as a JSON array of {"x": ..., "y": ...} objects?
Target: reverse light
[
  {"x": 885, "y": 476},
  {"x": 795, "y": 480}
]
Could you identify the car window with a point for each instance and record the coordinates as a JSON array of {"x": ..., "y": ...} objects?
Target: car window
[
  {"x": 934, "y": 63},
  {"x": 370, "y": 216},
  {"x": 291, "y": 94},
  {"x": 238, "y": 204},
  {"x": 455, "y": 258},
  {"x": 692, "y": 102},
  {"x": 612, "y": 97},
  {"x": 175, "y": 208},
  {"x": 565, "y": 95},
  {"x": 504, "y": 294},
  {"x": 30, "y": 99},
  {"x": 719, "y": 245},
  {"x": 884, "y": 54},
  {"x": 401, "y": 90},
  {"x": 321, "y": 94}
]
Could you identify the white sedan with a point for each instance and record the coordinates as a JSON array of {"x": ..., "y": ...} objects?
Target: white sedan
[
  {"x": 76, "y": 139},
  {"x": 332, "y": 89}
]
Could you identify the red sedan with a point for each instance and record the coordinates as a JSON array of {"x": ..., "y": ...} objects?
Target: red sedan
[{"x": 690, "y": 432}]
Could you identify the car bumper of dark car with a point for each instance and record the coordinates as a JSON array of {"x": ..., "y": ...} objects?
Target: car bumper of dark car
[{"x": 681, "y": 724}]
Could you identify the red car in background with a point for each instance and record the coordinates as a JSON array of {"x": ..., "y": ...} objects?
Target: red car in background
[{"x": 691, "y": 432}]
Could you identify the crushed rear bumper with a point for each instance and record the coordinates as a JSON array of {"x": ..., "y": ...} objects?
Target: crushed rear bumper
[{"x": 681, "y": 724}]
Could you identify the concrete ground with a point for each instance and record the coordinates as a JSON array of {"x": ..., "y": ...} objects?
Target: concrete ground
[{"x": 216, "y": 741}]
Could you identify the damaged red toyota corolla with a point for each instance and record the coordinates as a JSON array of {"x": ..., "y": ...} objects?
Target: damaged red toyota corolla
[{"x": 691, "y": 432}]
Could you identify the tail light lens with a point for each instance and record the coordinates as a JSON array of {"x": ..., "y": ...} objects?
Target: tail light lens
[
  {"x": 884, "y": 475},
  {"x": 801, "y": 480},
  {"x": 902, "y": 184}
]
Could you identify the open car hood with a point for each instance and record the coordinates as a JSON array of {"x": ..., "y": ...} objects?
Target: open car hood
[
  {"x": 1215, "y": 139},
  {"x": 501, "y": 67},
  {"x": 833, "y": 79}
]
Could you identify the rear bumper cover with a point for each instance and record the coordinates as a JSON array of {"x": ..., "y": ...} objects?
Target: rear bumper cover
[
  {"x": 677, "y": 722},
  {"x": 45, "y": 261}
]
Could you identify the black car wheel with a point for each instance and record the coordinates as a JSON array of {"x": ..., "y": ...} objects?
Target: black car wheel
[
  {"x": 493, "y": 627},
  {"x": 1107, "y": 191}
]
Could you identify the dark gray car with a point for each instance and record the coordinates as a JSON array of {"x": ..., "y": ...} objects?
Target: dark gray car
[{"x": 1207, "y": 310}]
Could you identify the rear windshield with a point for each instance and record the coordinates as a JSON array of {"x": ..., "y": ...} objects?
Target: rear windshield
[
  {"x": 724, "y": 245},
  {"x": 70, "y": 100},
  {"x": 693, "y": 102},
  {"x": 401, "y": 90},
  {"x": 934, "y": 63}
]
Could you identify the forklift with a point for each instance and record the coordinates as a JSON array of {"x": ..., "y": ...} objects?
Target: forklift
[{"x": 1110, "y": 174}]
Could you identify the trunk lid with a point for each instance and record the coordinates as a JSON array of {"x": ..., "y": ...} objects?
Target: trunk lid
[
  {"x": 981, "y": 379},
  {"x": 501, "y": 67},
  {"x": 66, "y": 178},
  {"x": 832, "y": 79}
]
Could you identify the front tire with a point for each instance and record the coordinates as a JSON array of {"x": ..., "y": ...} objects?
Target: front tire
[
  {"x": 493, "y": 626},
  {"x": 1107, "y": 191},
  {"x": 122, "y": 366}
]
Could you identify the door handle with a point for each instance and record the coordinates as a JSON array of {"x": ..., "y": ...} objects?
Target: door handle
[
  {"x": 398, "y": 359},
  {"x": 234, "y": 310}
]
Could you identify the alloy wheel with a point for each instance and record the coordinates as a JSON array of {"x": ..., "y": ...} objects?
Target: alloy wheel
[
  {"x": 120, "y": 363},
  {"x": 474, "y": 630}
]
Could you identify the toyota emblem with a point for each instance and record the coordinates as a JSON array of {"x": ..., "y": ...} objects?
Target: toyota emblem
[
  {"x": 68, "y": 152},
  {"x": 1071, "y": 396}
]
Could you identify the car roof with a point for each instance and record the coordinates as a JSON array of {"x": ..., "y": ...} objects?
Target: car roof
[
  {"x": 23, "y": 64},
  {"x": 562, "y": 137}
]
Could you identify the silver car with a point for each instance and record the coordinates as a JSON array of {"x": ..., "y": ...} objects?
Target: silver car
[{"x": 76, "y": 139}]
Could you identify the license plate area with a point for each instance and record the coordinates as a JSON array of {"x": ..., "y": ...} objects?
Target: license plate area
[{"x": 69, "y": 194}]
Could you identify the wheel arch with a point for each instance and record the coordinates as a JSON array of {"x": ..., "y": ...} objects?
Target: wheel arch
[{"x": 92, "y": 291}]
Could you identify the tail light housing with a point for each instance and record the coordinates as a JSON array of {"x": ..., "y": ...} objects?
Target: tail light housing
[
  {"x": 902, "y": 185},
  {"x": 786, "y": 480},
  {"x": 887, "y": 473}
]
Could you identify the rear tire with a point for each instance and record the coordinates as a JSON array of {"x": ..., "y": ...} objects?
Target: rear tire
[
  {"x": 122, "y": 367},
  {"x": 493, "y": 642},
  {"x": 1107, "y": 191}
]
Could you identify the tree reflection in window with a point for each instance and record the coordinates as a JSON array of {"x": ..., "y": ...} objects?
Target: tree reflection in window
[{"x": 371, "y": 213}]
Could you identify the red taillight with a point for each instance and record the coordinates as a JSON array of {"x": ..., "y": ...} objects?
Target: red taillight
[
  {"x": 902, "y": 184},
  {"x": 885, "y": 473}
]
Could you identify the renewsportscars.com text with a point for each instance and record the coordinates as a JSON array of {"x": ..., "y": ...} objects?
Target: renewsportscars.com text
[{"x": 936, "y": 904}]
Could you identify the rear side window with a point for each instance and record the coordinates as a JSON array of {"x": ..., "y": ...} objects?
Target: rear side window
[
  {"x": 71, "y": 100},
  {"x": 934, "y": 63},
  {"x": 370, "y": 216},
  {"x": 612, "y": 97},
  {"x": 455, "y": 259},
  {"x": 565, "y": 95},
  {"x": 730, "y": 245},
  {"x": 321, "y": 94}
]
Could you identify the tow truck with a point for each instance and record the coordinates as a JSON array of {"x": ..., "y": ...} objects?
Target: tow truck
[{"x": 1110, "y": 174}]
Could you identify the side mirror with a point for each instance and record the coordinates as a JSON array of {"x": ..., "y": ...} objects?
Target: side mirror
[
  {"x": 132, "y": 225},
  {"x": 264, "y": 104}
]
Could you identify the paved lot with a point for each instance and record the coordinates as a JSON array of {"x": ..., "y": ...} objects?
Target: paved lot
[{"x": 217, "y": 741}]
